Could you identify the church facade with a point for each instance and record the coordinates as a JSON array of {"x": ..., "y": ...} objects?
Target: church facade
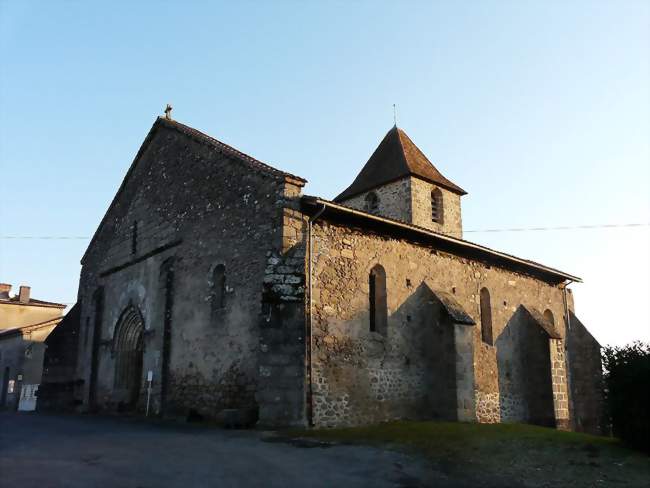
[{"x": 213, "y": 286}]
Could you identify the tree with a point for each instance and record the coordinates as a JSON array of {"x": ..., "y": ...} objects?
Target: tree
[{"x": 627, "y": 392}]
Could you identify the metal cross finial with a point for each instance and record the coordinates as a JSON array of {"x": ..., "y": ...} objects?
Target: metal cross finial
[
  {"x": 395, "y": 115},
  {"x": 168, "y": 112}
]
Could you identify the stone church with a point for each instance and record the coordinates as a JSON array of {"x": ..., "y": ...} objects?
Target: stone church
[{"x": 213, "y": 285}]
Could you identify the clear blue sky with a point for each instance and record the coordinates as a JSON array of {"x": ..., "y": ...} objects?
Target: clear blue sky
[{"x": 540, "y": 110}]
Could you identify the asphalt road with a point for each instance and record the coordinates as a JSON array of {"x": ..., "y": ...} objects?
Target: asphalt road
[{"x": 43, "y": 451}]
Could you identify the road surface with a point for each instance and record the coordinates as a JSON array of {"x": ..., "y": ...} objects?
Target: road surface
[{"x": 42, "y": 450}]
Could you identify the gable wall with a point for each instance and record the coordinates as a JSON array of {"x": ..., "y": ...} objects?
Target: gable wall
[
  {"x": 198, "y": 208},
  {"x": 363, "y": 377}
]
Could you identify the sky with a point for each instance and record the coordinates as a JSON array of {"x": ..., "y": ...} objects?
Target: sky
[{"x": 540, "y": 110}]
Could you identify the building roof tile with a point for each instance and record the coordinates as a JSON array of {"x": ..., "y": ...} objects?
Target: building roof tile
[{"x": 15, "y": 300}]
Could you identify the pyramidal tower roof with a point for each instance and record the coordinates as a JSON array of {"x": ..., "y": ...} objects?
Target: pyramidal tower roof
[{"x": 396, "y": 157}]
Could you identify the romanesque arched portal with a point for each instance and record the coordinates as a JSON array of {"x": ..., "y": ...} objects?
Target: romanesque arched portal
[{"x": 127, "y": 347}]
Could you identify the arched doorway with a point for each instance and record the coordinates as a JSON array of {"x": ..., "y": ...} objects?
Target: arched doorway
[{"x": 127, "y": 348}]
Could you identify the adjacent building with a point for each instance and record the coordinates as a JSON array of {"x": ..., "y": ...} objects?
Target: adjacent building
[
  {"x": 25, "y": 323},
  {"x": 56, "y": 391}
]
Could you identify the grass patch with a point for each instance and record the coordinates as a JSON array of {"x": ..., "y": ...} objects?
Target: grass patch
[{"x": 522, "y": 454}]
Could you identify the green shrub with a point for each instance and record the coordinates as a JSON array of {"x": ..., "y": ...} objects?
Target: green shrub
[{"x": 627, "y": 390}]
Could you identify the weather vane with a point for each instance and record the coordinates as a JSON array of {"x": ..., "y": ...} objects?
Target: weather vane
[{"x": 168, "y": 112}]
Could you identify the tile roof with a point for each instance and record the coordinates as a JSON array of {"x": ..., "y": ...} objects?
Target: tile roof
[
  {"x": 396, "y": 157},
  {"x": 15, "y": 300}
]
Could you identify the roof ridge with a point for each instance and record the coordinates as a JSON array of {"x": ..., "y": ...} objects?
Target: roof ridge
[
  {"x": 441, "y": 179},
  {"x": 403, "y": 149}
]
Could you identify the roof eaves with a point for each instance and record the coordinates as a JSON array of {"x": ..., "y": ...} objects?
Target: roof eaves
[
  {"x": 346, "y": 196},
  {"x": 33, "y": 303},
  {"x": 436, "y": 235},
  {"x": 20, "y": 329}
]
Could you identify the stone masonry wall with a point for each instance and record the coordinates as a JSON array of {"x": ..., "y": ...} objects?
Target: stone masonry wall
[
  {"x": 409, "y": 200},
  {"x": 394, "y": 200},
  {"x": 421, "y": 209},
  {"x": 361, "y": 377},
  {"x": 282, "y": 369},
  {"x": 200, "y": 208}
]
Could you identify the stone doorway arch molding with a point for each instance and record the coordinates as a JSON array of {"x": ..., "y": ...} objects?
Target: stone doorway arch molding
[{"x": 128, "y": 348}]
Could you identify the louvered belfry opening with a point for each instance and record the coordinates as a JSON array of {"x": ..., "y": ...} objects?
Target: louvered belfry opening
[{"x": 127, "y": 346}]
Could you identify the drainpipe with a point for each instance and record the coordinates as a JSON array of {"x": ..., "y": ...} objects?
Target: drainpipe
[{"x": 311, "y": 320}]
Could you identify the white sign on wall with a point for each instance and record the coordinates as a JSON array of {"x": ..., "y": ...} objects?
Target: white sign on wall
[{"x": 27, "y": 401}]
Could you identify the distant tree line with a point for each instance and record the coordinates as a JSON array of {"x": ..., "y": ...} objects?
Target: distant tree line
[{"x": 627, "y": 392}]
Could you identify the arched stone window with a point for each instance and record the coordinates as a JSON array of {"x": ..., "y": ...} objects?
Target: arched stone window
[
  {"x": 486, "y": 317},
  {"x": 372, "y": 202},
  {"x": 436, "y": 206},
  {"x": 219, "y": 287},
  {"x": 377, "y": 300},
  {"x": 127, "y": 347},
  {"x": 548, "y": 315}
]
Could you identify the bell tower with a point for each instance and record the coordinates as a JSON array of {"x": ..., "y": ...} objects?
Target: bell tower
[{"x": 400, "y": 183}]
